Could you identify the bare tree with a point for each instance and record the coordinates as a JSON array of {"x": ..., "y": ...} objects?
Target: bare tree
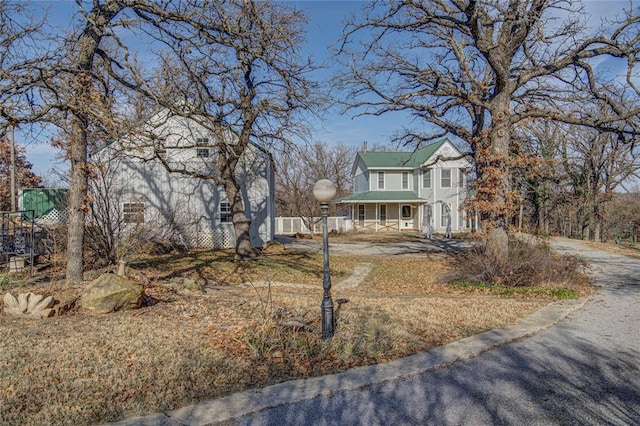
[
  {"x": 478, "y": 70},
  {"x": 237, "y": 71},
  {"x": 235, "y": 63},
  {"x": 20, "y": 61},
  {"x": 623, "y": 214},
  {"x": 597, "y": 164},
  {"x": 23, "y": 175},
  {"x": 301, "y": 167},
  {"x": 540, "y": 143}
]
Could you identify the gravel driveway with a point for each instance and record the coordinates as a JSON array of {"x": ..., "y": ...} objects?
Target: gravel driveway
[
  {"x": 407, "y": 248},
  {"x": 583, "y": 371}
]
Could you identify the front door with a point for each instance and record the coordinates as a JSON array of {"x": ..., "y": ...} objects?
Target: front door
[{"x": 406, "y": 217}]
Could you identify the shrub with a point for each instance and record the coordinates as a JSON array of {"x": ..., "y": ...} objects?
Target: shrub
[{"x": 529, "y": 264}]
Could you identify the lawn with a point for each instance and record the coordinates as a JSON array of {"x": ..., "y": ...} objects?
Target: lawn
[{"x": 246, "y": 330}]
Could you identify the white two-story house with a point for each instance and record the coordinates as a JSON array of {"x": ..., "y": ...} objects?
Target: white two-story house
[
  {"x": 421, "y": 190},
  {"x": 158, "y": 179}
]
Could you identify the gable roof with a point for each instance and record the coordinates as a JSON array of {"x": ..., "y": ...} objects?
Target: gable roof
[{"x": 400, "y": 160}]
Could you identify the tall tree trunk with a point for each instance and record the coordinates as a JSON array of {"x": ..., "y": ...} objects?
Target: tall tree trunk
[
  {"x": 597, "y": 221},
  {"x": 86, "y": 48},
  {"x": 77, "y": 193},
  {"x": 241, "y": 227},
  {"x": 494, "y": 182}
]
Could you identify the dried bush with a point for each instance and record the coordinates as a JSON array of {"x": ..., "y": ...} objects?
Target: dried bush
[{"x": 529, "y": 264}]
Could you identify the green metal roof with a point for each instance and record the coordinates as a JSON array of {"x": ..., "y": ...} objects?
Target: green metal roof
[
  {"x": 43, "y": 200},
  {"x": 412, "y": 159},
  {"x": 383, "y": 197}
]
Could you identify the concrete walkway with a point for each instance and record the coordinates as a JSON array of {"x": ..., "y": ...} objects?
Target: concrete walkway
[{"x": 584, "y": 370}]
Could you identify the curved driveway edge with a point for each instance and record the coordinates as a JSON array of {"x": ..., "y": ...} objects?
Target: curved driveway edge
[{"x": 252, "y": 401}]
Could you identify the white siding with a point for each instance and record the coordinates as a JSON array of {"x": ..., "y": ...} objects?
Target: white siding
[{"x": 188, "y": 205}]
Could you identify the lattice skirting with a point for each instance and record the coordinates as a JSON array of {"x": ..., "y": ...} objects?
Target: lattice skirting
[
  {"x": 211, "y": 239},
  {"x": 54, "y": 217}
]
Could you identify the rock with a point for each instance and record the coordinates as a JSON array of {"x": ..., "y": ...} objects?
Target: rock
[
  {"x": 186, "y": 285},
  {"x": 110, "y": 293},
  {"x": 191, "y": 285},
  {"x": 122, "y": 268},
  {"x": 64, "y": 302},
  {"x": 28, "y": 305}
]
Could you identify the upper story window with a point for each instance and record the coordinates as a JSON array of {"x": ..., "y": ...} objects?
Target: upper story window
[
  {"x": 461, "y": 177},
  {"x": 426, "y": 178},
  {"x": 380, "y": 180},
  {"x": 225, "y": 212},
  {"x": 405, "y": 180},
  {"x": 445, "y": 178},
  {"x": 200, "y": 151}
]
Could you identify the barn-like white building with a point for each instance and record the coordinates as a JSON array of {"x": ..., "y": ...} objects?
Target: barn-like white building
[{"x": 183, "y": 204}]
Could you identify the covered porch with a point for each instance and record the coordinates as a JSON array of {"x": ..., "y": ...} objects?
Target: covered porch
[{"x": 375, "y": 211}]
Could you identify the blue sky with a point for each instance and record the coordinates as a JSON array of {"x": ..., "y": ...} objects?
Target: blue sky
[{"x": 325, "y": 27}]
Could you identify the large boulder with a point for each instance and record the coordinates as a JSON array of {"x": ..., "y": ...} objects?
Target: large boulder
[{"x": 110, "y": 293}]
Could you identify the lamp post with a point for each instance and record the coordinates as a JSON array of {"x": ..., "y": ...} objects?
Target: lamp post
[{"x": 324, "y": 191}]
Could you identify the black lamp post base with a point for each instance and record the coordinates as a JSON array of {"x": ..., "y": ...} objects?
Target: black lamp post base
[{"x": 327, "y": 317}]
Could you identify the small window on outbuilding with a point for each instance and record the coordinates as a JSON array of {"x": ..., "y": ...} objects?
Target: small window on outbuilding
[
  {"x": 133, "y": 212},
  {"x": 202, "y": 152},
  {"x": 225, "y": 212}
]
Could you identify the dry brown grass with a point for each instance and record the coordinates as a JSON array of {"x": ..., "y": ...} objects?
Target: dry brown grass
[
  {"x": 627, "y": 249},
  {"x": 182, "y": 348}
]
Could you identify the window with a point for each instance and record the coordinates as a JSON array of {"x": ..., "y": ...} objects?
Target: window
[
  {"x": 445, "y": 178},
  {"x": 461, "y": 179},
  {"x": 426, "y": 178},
  {"x": 225, "y": 212},
  {"x": 202, "y": 152},
  {"x": 383, "y": 214},
  {"x": 445, "y": 215},
  {"x": 406, "y": 212},
  {"x": 361, "y": 214},
  {"x": 427, "y": 214},
  {"x": 133, "y": 212},
  {"x": 380, "y": 180},
  {"x": 405, "y": 180}
]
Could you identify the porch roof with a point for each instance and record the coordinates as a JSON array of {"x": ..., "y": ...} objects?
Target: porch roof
[{"x": 382, "y": 197}]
